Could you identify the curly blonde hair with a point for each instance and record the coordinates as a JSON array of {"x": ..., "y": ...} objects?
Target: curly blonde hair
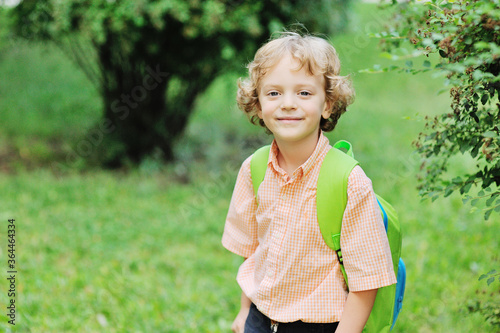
[{"x": 314, "y": 54}]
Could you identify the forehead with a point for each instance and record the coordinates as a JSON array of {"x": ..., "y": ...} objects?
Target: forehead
[{"x": 290, "y": 69}]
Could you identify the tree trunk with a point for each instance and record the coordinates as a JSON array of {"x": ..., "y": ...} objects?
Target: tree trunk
[{"x": 134, "y": 89}]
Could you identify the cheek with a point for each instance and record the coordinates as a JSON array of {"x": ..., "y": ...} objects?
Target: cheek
[
  {"x": 315, "y": 107},
  {"x": 266, "y": 107},
  {"x": 265, "y": 114}
]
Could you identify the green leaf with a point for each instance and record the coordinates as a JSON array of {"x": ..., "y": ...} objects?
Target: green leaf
[
  {"x": 427, "y": 63},
  {"x": 479, "y": 75},
  {"x": 487, "y": 214},
  {"x": 490, "y": 280},
  {"x": 490, "y": 134},
  {"x": 475, "y": 150},
  {"x": 409, "y": 63},
  {"x": 481, "y": 46},
  {"x": 465, "y": 189},
  {"x": 437, "y": 37},
  {"x": 490, "y": 201},
  {"x": 484, "y": 99}
]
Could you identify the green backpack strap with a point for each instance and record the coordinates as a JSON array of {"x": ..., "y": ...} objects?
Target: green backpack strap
[
  {"x": 258, "y": 167},
  {"x": 344, "y": 146},
  {"x": 331, "y": 195}
]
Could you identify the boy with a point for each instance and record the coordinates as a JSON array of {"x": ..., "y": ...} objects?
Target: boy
[{"x": 291, "y": 280}]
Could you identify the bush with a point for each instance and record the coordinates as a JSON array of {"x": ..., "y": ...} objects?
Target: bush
[{"x": 465, "y": 34}]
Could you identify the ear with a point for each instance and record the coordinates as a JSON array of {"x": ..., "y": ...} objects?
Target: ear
[
  {"x": 259, "y": 111},
  {"x": 327, "y": 111}
]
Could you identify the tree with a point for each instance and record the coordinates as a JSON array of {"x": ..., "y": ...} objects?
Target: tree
[
  {"x": 465, "y": 34},
  {"x": 150, "y": 59}
]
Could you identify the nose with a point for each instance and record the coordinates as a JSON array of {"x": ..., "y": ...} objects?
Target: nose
[{"x": 288, "y": 102}]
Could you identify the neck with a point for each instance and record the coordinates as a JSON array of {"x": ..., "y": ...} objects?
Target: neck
[{"x": 293, "y": 154}]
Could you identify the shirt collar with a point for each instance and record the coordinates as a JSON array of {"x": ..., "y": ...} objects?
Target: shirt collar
[{"x": 322, "y": 146}]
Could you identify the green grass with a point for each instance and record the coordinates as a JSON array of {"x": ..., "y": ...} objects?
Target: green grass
[
  {"x": 140, "y": 251},
  {"x": 135, "y": 249}
]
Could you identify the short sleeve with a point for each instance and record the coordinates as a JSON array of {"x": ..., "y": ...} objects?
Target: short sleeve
[
  {"x": 240, "y": 230},
  {"x": 364, "y": 243}
]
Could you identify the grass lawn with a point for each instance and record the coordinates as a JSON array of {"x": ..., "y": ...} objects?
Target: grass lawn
[{"x": 139, "y": 251}]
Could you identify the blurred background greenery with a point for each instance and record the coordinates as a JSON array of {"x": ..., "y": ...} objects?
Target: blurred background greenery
[{"x": 136, "y": 248}]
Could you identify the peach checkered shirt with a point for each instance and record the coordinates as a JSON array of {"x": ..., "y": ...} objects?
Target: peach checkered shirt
[{"x": 291, "y": 274}]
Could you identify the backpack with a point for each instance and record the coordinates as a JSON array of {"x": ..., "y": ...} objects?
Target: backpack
[{"x": 331, "y": 200}]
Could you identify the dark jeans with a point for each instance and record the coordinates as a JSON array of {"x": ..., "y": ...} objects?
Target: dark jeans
[{"x": 259, "y": 323}]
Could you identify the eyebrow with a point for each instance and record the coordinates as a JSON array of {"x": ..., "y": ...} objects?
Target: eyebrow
[{"x": 300, "y": 85}]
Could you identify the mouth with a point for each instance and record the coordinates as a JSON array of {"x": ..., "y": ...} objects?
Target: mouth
[{"x": 289, "y": 119}]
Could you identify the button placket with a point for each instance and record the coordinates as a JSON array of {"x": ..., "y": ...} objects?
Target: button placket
[{"x": 277, "y": 234}]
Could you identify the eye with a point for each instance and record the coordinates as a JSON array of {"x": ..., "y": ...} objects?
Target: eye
[
  {"x": 305, "y": 93},
  {"x": 273, "y": 93}
]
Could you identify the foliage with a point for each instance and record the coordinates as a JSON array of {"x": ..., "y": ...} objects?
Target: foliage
[
  {"x": 465, "y": 34},
  {"x": 490, "y": 276},
  {"x": 489, "y": 308},
  {"x": 150, "y": 59}
]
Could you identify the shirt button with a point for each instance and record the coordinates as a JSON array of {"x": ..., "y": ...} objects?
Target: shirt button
[
  {"x": 283, "y": 197},
  {"x": 270, "y": 274}
]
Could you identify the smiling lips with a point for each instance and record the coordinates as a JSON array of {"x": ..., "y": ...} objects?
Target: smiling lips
[{"x": 289, "y": 119}]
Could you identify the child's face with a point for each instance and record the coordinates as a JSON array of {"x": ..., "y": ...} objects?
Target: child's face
[{"x": 292, "y": 102}]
